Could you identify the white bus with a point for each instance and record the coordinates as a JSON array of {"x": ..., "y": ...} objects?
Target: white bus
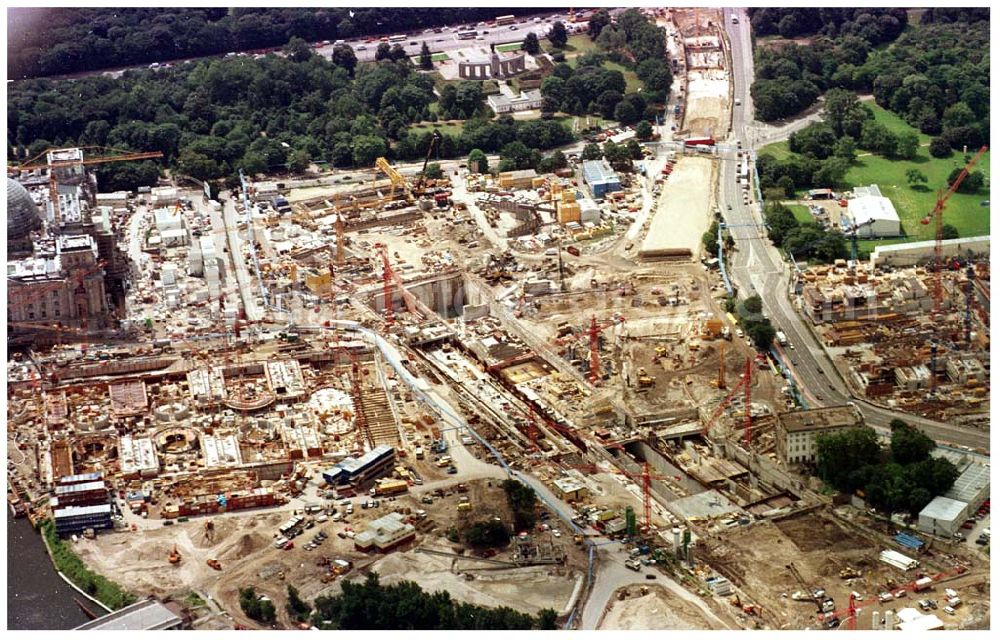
[
  {"x": 398, "y": 38},
  {"x": 466, "y": 35}
]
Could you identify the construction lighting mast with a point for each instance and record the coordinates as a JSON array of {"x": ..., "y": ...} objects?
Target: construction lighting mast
[
  {"x": 936, "y": 214},
  {"x": 721, "y": 382},
  {"x": 340, "y": 240},
  {"x": 970, "y": 275}
]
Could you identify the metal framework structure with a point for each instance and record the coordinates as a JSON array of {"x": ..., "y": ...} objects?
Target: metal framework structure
[
  {"x": 744, "y": 385},
  {"x": 936, "y": 215},
  {"x": 645, "y": 476},
  {"x": 117, "y": 155},
  {"x": 593, "y": 332}
]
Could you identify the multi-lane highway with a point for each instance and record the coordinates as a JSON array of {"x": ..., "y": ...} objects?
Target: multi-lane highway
[
  {"x": 364, "y": 48},
  {"x": 757, "y": 266}
]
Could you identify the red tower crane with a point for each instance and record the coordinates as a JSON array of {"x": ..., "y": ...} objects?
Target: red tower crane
[
  {"x": 389, "y": 277},
  {"x": 645, "y": 476},
  {"x": 593, "y": 332},
  {"x": 854, "y": 607},
  {"x": 936, "y": 214},
  {"x": 744, "y": 385}
]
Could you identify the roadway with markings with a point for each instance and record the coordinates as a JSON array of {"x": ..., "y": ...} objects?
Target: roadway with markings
[{"x": 757, "y": 267}]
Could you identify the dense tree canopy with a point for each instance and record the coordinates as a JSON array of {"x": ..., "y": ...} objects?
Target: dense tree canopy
[
  {"x": 214, "y": 117},
  {"x": 905, "y": 477},
  {"x": 46, "y": 41},
  {"x": 522, "y": 501},
  {"x": 839, "y": 455},
  {"x": 935, "y": 75},
  {"x": 875, "y": 26},
  {"x": 405, "y": 605}
]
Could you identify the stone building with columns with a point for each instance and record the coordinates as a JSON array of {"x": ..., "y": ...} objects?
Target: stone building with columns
[{"x": 493, "y": 68}]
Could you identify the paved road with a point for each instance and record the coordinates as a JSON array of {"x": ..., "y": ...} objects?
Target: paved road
[
  {"x": 365, "y": 47},
  {"x": 247, "y": 293},
  {"x": 448, "y": 40},
  {"x": 757, "y": 267}
]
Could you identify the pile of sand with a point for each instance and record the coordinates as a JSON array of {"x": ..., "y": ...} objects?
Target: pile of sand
[{"x": 241, "y": 547}]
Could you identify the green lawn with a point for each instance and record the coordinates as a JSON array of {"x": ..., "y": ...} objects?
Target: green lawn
[
  {"x": 435, "y": 57},
  {"x": 963, "y": 211},
  {"x": 801, "y": 213},
  {"x": 777, "y": 149},
  {"x": 575, "y": 45},
  {"x": 453, "y": 128},
  {"x": 893, "y": 122},
  {"x": 567, "y": 121},
  {"x": 510, "y": 46}
]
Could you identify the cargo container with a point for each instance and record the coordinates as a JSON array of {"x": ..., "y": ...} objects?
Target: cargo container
[{"x": 390, "y": 487}]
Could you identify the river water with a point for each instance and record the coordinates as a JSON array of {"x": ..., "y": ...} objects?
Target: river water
[{"x": 37, "y": 598}]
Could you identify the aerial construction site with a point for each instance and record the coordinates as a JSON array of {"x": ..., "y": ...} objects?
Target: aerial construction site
[{"x": 309, "y": 377}]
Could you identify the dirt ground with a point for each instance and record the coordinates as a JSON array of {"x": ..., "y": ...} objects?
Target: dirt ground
[
  {"x": 527, "y": 589},
  {"x": 242, "y": 543},
  {"x": 683, "y": 213},
  {"x": 658, "y": 609},
  {"x": 820, "y": 546},
  {"x": 694, "y": 22},
  {"x": 707, "y": 103}
]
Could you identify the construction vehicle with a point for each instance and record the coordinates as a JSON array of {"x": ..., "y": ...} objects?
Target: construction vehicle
[
  {"x": 816, "y": 595},
  {"x": 848, "y": 573},
  {"x": 174, "y": 557},
  {"x": 643, "y": 379},
  {"x": 749, "y": 609},
  {"x": 212, "y": 562}
]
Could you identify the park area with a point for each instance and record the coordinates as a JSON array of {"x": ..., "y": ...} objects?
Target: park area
[
  {"x": 580, "y": 45},
  {"x": 965, "y": 211}
]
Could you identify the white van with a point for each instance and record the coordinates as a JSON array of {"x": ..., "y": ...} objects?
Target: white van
[{"x": 280, "y": 542}]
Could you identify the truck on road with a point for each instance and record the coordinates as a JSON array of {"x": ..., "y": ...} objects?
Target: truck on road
[{"x": 782, "y": 338}]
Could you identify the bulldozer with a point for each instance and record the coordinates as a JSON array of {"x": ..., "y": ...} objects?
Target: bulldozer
[
  {"x": 643, "y": 379},
  {"x": 174, "y": 557}
]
